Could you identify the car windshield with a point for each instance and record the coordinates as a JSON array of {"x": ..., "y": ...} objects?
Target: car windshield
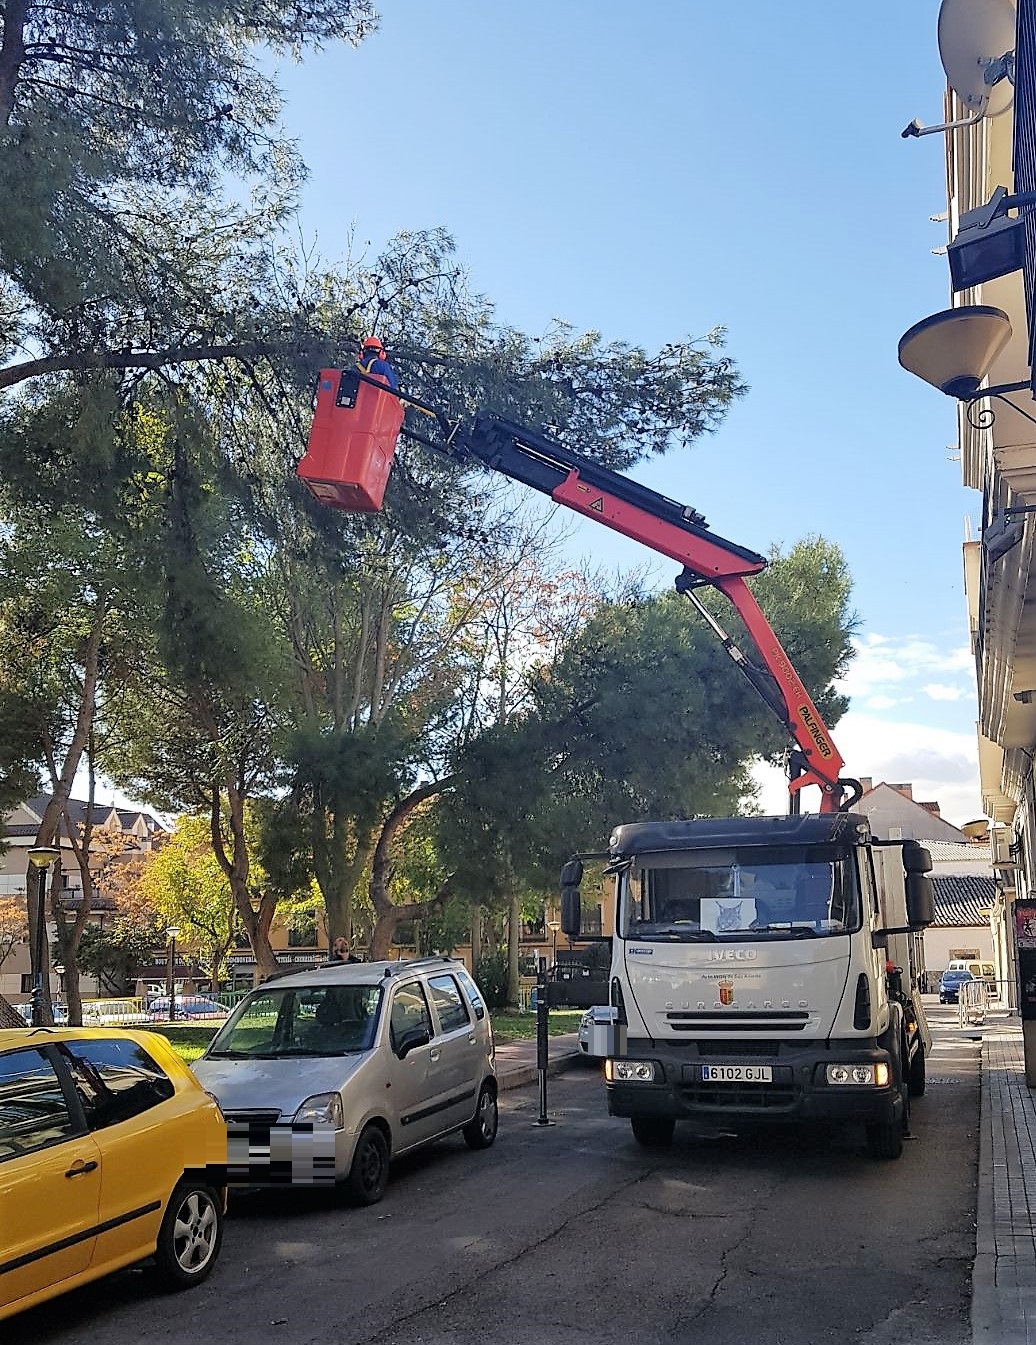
[
  {"x": 312, "y": 1020},
  {"x": 739, "y": 895},
  {"x": 957, "y": 976}
]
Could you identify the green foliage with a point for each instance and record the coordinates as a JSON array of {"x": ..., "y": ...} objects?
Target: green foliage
[
  {"x": 491, "y": 976},
  {"x": 116, "y": 124},
  {"x": 114, "y": 953},
  {"x": 642, "y": 716}
]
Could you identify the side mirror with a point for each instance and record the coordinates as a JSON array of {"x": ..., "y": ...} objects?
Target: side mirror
[
  {"x": 571, "y": 913},
  {"x": 920, "y": 900},
  {"x": 916, "y": 859},
  {"x": 411, "y": 1040}
]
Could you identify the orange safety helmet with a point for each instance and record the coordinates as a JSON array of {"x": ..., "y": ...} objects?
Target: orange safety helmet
[{"x": 373, "y": 343}]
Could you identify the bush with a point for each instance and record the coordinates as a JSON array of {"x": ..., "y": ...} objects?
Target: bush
[{"x": 491, "y": 975}]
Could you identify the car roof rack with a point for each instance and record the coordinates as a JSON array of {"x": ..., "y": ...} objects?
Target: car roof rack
[{"x": 412, "y": 964}]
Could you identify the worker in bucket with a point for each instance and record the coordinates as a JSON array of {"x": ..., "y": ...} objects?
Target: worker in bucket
[{"x": 371, "y": 360}]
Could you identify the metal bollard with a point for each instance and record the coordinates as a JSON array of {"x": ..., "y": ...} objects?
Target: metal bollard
[{"x": 542, "y": 1039}]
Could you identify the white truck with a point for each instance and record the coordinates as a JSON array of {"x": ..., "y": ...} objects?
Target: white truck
[{"x": 764, "y": 969}]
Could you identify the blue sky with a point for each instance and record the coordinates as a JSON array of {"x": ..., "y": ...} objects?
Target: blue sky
[{"x": 655, "y": 171}]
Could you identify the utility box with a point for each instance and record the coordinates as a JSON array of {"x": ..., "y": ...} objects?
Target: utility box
[
  {"x": 605, "y": 1037},
  {"x": 352, "y": 442}
]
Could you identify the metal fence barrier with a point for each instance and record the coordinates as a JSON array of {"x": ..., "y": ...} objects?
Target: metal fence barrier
[{"x": 972, "y": 1000}]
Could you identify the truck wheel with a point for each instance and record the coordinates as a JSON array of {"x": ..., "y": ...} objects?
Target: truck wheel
[
  {"x": 885, "y": 1140},
  {"x": 653, "y": 1132},
  {"x": 917, "y": 1073}
]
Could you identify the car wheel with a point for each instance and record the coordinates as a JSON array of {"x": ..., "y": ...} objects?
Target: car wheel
[
  {"x": 480, "y": 1132},
  {"x": 368, "y": 1175},
  {"x": 191, "y": 1233},
  {"x": 653, "y": 1132}
]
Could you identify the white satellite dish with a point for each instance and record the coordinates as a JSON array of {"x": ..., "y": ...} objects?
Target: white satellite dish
[{"x": 973, "y": 36}]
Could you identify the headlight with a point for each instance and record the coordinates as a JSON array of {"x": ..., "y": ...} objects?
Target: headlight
[
  {"x": 630, "y": 1071},
  {"x": 875, "y": 1075},
  {"x": 322, "y": 1109}
]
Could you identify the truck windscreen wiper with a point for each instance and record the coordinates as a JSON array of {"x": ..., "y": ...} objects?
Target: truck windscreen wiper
[
  {"x": 793, "y": 931},
  {"x": 675, "y": 934}
]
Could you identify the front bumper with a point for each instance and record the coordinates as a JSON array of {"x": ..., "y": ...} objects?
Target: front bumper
[{"x": 798, "y": 1090}]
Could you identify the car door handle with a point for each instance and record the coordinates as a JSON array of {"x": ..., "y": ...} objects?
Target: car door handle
[
  {"x": 433, "y": 1055},
  {"x": 80, "y": 1168}
]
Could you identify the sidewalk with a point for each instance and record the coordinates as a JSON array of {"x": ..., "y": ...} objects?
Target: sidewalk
[
  {"x": 516, "y": 1060},
  {"x": 1003, "y": 1303}
]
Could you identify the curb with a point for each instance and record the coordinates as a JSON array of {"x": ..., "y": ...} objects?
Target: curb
[{"x": 520, "y": 1075}]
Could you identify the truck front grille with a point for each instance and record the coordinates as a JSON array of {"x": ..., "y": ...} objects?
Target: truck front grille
[
  {"x": 761, "y": 1021},
  {"x": 730, "y": 1098},
  {"x": 729, "y": 1048}
]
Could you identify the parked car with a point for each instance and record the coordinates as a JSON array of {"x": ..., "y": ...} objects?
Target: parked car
[
  {"x": 601, "y": 1015},
  {"x": 106, "y": 1146},
  {"x": 114, "y": 1013},
  {"x": 982, "y": 971},
  {"x": 376, "y": 1058},
  {"x": 187, "y": 1009},
  {"x": 950, "y": 983}
]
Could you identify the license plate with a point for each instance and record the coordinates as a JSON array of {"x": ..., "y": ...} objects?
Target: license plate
[{"x": 737, "y": 1074}]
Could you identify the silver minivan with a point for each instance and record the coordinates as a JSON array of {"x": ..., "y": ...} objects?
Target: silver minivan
[{"x": 332, "y": 1073}]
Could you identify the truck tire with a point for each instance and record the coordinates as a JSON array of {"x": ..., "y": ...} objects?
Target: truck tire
[
  {"x": 918, "y": 1072},
  {"x": 885, "y": 1138},
  {"x": 653, "y": 1132}
]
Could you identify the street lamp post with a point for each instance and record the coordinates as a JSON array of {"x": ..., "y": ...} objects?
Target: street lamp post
[
  {"x": 170, "y": 983},
  {"x": 554, "y": 926},
  {"x": 40, "y": 858}
]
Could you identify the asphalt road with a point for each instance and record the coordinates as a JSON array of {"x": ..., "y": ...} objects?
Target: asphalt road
[{"x": 572, "y": 1232}]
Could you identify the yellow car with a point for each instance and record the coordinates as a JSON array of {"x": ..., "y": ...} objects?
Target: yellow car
[{"x": 110, "y": 1153}]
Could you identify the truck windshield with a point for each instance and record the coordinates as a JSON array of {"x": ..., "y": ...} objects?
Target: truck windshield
[{"x": 717, "y": 896}]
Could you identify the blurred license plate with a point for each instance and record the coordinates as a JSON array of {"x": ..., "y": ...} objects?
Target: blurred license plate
[{"x": 737, "y": 1074}]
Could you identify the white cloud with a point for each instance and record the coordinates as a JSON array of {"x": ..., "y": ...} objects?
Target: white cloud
[
  {"x": 938, "y": 691},
  {"x": 881, "y": 702},
  {"x": 886, "y": 666},
  {"x": 941, "y": 764}
]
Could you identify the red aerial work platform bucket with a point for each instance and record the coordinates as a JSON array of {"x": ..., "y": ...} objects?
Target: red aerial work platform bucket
[{"x": 351, "y": 442}]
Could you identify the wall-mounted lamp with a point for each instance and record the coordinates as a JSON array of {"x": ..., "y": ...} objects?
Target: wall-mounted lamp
[
  {"x": 989, "y": 242},
  {"x": 955, "y": 350},
  {"x": 1002, "y": 534}
]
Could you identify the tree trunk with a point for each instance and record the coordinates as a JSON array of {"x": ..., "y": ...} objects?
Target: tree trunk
[
  {"x": 476, "y": 935},
  {"x": 514, "y": 938}
]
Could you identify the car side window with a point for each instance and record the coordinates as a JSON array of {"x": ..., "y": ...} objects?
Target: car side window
[
  {"x": 33, "y": 1110},
  {"x": 474, "y": 996},
  {"x": 116, "y": 1079},
  {"x": 449, "y": 1004},
  {"x": 409, "y": 1011}
]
